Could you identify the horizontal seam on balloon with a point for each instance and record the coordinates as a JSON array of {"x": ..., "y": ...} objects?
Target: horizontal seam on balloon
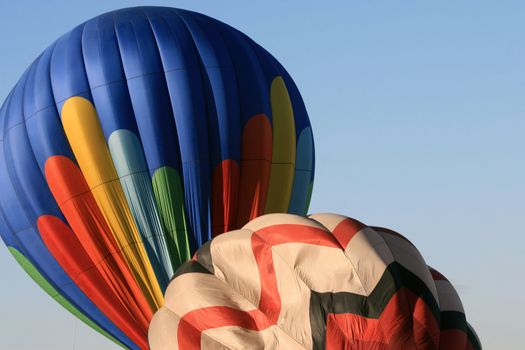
[
  {"x": 102, "y": 85},
  {"x": 270, "y": 162},
  {"x": 91, "y": 189},
  {"x": 104, "y": 256},
  {"x": 111, "y": 83},
  {"x": 95, "y": 265},
  {"x": 131, "y": 78}
]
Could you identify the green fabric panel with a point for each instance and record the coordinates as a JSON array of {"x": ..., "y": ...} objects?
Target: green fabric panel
[
  {"x": 167, "y": 186},
  {"x": 48, "y": 288},
  {"x": 308, "y": 197}
]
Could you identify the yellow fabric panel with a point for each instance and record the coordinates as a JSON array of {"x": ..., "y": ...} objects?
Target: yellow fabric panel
[
  {"x": 283, "y": 149},
  {"x": 84, "y": 133}
]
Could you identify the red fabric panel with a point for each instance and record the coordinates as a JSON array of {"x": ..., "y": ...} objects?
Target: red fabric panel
[
  {"x": 349, "y": 331},
  {"x": 225, "y": 186},
  {"x": 256, "y": 159},
  {"x": 436, "y": 275},
  {"x": 294, "y": 233},
  {"x": 95, "y": 240},
  {"x": 346, "y": 230},
  {"x": 453, "y": 339},
  {"x": 396, "y": 328},
  {"x": 195, "y": 322},
  {"x": 407, "y": 322},
  {"x": 68, "y": 251}
]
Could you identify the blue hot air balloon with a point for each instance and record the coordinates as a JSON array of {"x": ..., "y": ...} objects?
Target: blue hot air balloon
[{"x": 132, "y": 140}]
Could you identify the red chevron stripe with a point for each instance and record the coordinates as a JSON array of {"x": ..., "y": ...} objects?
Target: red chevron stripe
[
  {"x": 346, "y": 230},
  {"x": 294, "y": 233},
  {"x": 195, "y": 322},
  {"x": 270, "y": 301}
]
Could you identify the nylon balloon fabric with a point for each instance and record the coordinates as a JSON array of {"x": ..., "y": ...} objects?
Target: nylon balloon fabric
[
  {"x": 130, "y": 142},
  {"x": 324, "y": 282}
]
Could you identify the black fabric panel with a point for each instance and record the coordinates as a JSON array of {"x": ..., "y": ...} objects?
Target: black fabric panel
[
  {"x": 394, "y": 278},
  {"x": 453, "y": 320},
  {"x": 204, "y": 257},
  {"x": 191, "y": 266}
]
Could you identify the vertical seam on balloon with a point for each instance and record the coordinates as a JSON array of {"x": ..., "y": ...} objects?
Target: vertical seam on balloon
[
  {"x": 292, "y": 87},
  {"x": 200, "y": 67},
  {"x": 129, "y": 201},
  {"x": 176, "y": 145},
  {"x": 149, "y": 284},
  {"x": 233, "y": 74},
  {"x": 270, "y": 64},
  {"x": 190, "y": 233},
  {"x": 181, "y": 246},
  {"x": 221, "y": 29}
]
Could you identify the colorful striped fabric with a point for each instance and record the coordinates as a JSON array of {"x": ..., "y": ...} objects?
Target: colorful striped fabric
[
  {"x": 323, "y": 282},
  {"x": 130, "y": 142}
]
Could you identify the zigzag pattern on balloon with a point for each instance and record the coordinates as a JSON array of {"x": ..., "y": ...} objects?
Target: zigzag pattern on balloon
[{"x": 327, "y": 281}]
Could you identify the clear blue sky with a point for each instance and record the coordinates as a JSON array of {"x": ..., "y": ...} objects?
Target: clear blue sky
[{"x": 418, "y": 111}]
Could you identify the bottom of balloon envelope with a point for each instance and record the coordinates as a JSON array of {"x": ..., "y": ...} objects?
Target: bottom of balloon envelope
[{"x": 323, "y": 282}]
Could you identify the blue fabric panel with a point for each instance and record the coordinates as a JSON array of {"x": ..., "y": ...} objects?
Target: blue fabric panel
[
  {"x": 251, "y": 84},
  {"x": 184, "y": 81},
  {"x": 68, "y": 75},
  {"x": 106, "y": 76},
  {"x": 222, "y": 98},
  {"x": 43, "y": 124},
  {"x": 148, "y": 90}
]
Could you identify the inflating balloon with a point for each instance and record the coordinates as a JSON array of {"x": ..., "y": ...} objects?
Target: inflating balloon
[
  {"x": 131, "y": 141},
  {"x": 324, "y": 282},
  {"x": 456, "y": 332}
]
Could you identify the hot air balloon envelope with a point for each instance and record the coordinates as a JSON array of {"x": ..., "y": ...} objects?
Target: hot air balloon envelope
[
  {"x": 131, "y": 141},
  {"x": 323, "y": 282}
]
